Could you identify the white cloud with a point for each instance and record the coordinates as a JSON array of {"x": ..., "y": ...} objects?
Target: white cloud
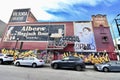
[{"x": 39, "y": 7}]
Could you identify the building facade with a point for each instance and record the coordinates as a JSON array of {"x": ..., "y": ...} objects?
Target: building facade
[{"x": 24, "y": 32}]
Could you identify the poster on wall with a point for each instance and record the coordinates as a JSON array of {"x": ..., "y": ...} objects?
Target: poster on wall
[
  {"x": 85, "y": 33},
  {"x": 34, "y": 32}
]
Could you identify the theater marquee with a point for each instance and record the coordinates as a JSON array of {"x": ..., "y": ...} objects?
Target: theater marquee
[{"x": 33, "y": 32}]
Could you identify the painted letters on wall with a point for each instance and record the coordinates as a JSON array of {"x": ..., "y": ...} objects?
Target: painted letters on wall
[{"x": 34, "y": 32}]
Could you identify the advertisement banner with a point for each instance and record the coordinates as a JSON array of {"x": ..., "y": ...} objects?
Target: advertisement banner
[
  {"x": 86, "y": 42},
  {"x": 34, "y": 32}
]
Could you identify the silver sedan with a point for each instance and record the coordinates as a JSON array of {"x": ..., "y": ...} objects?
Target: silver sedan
[
  {"x": 108, "y": 66},
  {"x": 29, "y": 61}
]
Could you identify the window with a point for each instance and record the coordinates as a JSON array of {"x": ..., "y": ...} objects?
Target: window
[
  {"x": 25, "y": 58},
  {"x": 119, "y": 46},
  {"x": 104, "y": 39},
  {"x": 31, "y": 58},
  {"x": 118, "y": 62},
  {"x": 66, "y": 58},
  {"x": 9, "y": 55}
]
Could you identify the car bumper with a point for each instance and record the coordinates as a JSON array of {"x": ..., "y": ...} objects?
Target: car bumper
[
  {"x": 98, "y": 68},
  {"x": 41, "y": 64},
  {"x": 5, "y": 60}
]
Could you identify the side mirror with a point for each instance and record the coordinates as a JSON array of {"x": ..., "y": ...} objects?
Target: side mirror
[{"x": 109, "y": 64}]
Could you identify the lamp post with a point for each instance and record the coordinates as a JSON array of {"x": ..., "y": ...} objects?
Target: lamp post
[
  {"x": 16, "y": 42},
  {"x": 15, "y": 48}
]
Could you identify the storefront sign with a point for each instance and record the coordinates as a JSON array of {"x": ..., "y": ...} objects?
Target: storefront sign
[{"x": 34, "y": 33}]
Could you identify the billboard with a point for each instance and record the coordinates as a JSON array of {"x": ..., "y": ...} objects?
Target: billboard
[
  {"x": 34, "y": 32},
  {"x": 86, "y": 42},
  {"x": 19, "y": 15}
]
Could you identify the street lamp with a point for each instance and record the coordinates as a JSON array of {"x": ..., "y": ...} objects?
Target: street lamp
[{"x": 16, "y": 42}]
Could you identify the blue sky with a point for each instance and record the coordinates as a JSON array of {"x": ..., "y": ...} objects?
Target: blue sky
[{"x": 63, "y": 10}]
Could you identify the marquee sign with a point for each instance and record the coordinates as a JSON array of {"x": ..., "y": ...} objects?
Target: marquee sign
[
  {"x": 19, "y": 15},
  {"x": 33, "y": 32}
]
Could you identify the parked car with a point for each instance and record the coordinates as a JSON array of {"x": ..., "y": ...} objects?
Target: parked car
[
  {"x": 29, "y": 61},
  {"x": 69, "y": 62},
  {"x": 6, "y": 58},
  {"x": 108, "y": 66}
]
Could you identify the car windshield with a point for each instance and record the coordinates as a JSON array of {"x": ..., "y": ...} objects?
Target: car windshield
[
  {"x": 9, "y": 55},
  {"x": 113, "y": 62},
  {"x": 105, "y": 62},
  {"x": 25, "y": 58},
  {"x": 66, "y": 58},
  {"x": 19, "y": 58},
  {"x": 71, "y": 58},
  {"x": 31, "y": 58}
]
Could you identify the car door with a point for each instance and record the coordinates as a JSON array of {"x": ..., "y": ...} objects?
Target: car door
[
  {"x": 71, "y": 62},
  {"x": 113, "y": 66},
  {"x": 118, "y": 65},
  {"x": 64, "y": 63},
  {"x": 29, "y": 61},
  {"x": 23, "y": 61}
]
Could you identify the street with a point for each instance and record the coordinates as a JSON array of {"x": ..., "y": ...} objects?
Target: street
[{"x": 11, "y": 72}]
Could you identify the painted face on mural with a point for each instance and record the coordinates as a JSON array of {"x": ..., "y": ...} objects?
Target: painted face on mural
[
  {"x": 86, "y": 30},
  {"x": 86, "y": 38}
]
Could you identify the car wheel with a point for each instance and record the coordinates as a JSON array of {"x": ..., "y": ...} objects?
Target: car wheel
[
  {"x": 34, "y": 65},
  {"x": 78, "y": 68},
  {"x": 1, "y": 61},
  {"x": 55, "y": 66},
  {"x": 17, "y": 64},
  {"x": 105, "y": 69}
]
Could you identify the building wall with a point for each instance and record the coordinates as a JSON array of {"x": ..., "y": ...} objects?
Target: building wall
[
  {"x": 101, "y": 44},
  {"x": 2, "y": 27},
  {"x": 42, "y": 45},
  {"x": 102, "y": 34}
]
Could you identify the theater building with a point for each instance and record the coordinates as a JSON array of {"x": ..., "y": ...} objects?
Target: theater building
[{"x": 24, "y": 32}]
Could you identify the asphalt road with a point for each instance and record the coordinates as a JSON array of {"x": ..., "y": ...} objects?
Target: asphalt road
[{"x": 10, "y": 72}]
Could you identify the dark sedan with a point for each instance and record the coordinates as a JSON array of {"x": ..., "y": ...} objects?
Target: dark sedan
[
  {"x": 69, "y": 62},
  {"x": 108, "y": 66}
]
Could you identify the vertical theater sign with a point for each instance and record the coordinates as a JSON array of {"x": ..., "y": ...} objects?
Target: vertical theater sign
[{"x": 85, "y": 33}]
